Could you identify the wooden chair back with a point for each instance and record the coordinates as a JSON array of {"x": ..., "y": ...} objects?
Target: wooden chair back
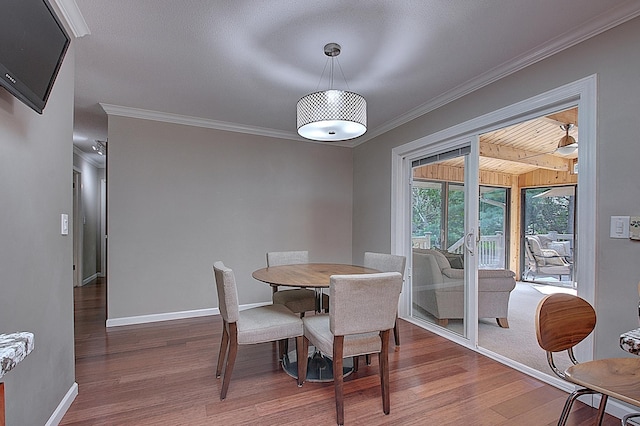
[{"x": 563, "y": 321}]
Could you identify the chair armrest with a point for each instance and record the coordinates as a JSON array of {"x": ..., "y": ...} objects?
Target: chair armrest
[
  {"x": 496, "y": 273},
  {"x": 456, "y": 274},
  {"x": 551, "y": 257}
]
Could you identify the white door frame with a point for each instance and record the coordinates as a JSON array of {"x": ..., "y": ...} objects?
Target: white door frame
[
  {"x": 582, "y": 94},
  {"x": 103, "y": 228},
  {"x": 78, "y": 228}
]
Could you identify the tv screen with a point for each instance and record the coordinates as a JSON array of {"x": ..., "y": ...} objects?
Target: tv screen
[{"x": 33, "y": 43}]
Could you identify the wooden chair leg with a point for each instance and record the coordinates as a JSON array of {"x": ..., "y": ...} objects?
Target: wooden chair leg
[
  {"x": 396, "y": 333},
  {"x": 223, "y": 349},
  {"x": 601, "y": 409},
  {"x": 301, "y": 357},
  {"x": 383, "y": 360},
  {"x": 338, "y": 377},
  {"x": 231, "y": 359},
  {"x": 303, "y": 363},
  {"x": 502, "y": 322}
]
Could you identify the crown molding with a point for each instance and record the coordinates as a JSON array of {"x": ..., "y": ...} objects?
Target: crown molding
[
  {"x": 86, "y": 157},
  {"x": 72, "y": 15},
  {"x": 144, "y": 114},
  {"x": 612, "y": 18},
  {"x": 166, "y": 117}
]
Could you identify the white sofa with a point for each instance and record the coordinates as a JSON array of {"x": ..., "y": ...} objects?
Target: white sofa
[{"x": 438, "y": 289}]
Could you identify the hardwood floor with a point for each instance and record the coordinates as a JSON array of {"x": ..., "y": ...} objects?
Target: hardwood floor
[{"x": 164, "y": 374}]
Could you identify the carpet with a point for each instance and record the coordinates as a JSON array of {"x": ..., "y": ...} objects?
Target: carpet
[{"x": 518, "y": 342}]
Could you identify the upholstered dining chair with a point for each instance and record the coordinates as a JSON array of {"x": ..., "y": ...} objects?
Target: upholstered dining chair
[
  {"x": 298, "y": 300},
  {"x": 387, "y": 263},
  {"x": 361, "y": 315},
  {"x": 255, "y": 325},
  {"x": 563, "y": 321}
]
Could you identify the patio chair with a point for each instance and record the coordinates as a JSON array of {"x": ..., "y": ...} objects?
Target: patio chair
[{"x": 543, "y": 261}]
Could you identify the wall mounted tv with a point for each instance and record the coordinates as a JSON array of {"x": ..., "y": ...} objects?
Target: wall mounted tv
[{"x": 33, "y": 43}]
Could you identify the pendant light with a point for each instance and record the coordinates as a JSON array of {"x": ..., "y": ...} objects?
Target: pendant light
[{"x": 332, "y": 115}]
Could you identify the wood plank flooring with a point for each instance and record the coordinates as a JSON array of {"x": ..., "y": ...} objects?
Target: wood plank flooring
[{"x": 164, "y": 374}]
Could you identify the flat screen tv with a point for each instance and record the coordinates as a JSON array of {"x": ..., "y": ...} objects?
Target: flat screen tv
[{"x": 33, "y": 43}]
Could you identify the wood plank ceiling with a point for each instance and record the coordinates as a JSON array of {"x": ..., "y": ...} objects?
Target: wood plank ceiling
[{"x": 527, "y": 146}]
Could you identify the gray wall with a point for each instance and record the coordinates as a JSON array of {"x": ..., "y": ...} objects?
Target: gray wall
[
  {"x": 90, "y": 199},
  {"x": 615, "y": 57},
  {"x": 180, "y": 198},
  {"x": 35, "y": 260}
]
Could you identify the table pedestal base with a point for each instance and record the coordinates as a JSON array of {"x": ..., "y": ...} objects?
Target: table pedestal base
[{"x": 319, "y": 367}]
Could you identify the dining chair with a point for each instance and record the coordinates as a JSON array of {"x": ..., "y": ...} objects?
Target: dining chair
[
  {"x": 387, "y": 263},
  {"x": 250, "y": 326},
  {"x": 298, "y": 300},
  {"x": 361, "y": 315},
  {"x": 563, "y": 321}
]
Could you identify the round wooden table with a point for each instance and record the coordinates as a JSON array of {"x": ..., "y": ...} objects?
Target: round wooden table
[
  {"x": 305, "y": 275},
  {"x": 318, "y": 277}
]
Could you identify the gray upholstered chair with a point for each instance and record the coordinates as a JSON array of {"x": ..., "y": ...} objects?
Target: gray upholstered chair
[
  {"x": 362, "y": 313},
  {"x": 387, "y": 263},
  {"x": 256, "y": 325},
  {"x": 298, "y": 300}
]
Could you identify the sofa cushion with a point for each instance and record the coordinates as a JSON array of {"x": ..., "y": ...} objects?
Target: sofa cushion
[
  {"x": 456, "y": 260},
  {"x": 442, "y": 261}
]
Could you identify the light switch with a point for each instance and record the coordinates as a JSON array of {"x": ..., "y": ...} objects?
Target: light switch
[
  {"x": 619, "y": 227},
  {"x": 64, "y": 224},
  {"x": 634, "y": 228}
]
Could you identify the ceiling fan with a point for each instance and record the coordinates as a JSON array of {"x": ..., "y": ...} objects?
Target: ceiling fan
[{"x": 567, "y": 144}]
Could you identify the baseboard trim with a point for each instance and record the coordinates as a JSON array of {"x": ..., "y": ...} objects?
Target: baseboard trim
[
  {"x": 64, "y": 405},
  {"x": 89, "y": 279},
  {"x": 168, "y": 316}
]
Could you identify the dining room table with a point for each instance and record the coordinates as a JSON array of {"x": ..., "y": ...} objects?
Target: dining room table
[{"x": 316, "y": 276}]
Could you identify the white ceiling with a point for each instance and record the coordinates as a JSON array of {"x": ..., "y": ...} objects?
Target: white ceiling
[{"x": 244, "y": 64}]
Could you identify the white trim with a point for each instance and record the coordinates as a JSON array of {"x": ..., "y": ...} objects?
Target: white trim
[
  {"x": 72, "y": 15},
  {"x": 86, "y": 157},
  {"x": 169, "y": 316},
  {"x": 598, "y": 25},
  {"x": 63, "y": 406},
  {"x": 166, "y": 117},
  {"x": 87, "y": 280}
]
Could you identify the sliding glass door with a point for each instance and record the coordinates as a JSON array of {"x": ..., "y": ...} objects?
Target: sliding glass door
[{"x": 444, "y": 211}]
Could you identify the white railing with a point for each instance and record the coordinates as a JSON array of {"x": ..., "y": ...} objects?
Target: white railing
[
  {"x": 422, "y": 242},
  {"x": 490, "y": 251}
]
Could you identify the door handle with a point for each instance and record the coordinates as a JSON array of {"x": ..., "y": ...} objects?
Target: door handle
[{"x": 469, "y": 242}]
